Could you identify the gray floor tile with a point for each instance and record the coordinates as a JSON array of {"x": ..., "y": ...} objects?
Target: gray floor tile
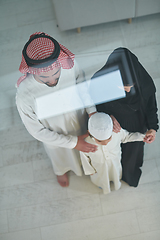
[
  {"x": 130, "y": 198},
  {"x": 142, "y": 236},
  {"x": 69, "y": 209},
  {"x": 16, "y": 174},
  {"x": 43, "y": 170},
  {"x": 3, "y": 222},
  {"x": 31, "y": 194},
  {"x": 149, "y": 218},
  {"x": 149, "y": 172},
  {"x": 104, "y": 227},
  {"x": 23, "y": 152},
  {"x": 32, "y": 234}
]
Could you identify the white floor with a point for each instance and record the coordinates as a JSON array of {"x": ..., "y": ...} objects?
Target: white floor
[{"x": 32, "y": 204}]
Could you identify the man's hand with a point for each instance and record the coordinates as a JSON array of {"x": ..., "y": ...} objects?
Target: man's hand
[
  {"x": 116, "y": 125},
  {"x": 84, "y": 146},
  {"x": 150, "y": 136}
]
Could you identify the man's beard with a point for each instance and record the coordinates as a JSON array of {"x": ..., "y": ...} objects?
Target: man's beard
[{"x": 53, "y": 85}]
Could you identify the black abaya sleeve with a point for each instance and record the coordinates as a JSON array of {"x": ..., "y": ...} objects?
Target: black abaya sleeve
[
  {"x": 151, "y": 113},
  {"x": 148, "y": 100}
]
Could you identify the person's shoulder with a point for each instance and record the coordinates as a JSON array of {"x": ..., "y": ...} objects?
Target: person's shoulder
[
  {"x": 123, "y": 132},
  {"x": 25, "y": 88},
  {"x": 116, "y": 140},
  {"x": 25, "y": 84},
  {"x": 75, "y": 67},
  {"x": 120, "y": 134}
]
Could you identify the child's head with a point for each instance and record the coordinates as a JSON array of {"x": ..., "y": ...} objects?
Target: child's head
[{"x": 100, "y": 127}]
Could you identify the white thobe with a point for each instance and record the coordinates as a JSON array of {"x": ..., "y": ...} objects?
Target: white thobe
[
  {"x": 58, "y": 133},
  {"x": 105, "y": 163}
]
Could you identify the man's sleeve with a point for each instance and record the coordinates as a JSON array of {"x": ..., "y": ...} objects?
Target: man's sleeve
[
  {"x": 88, "y": 169},
  {"x": 41, "y": 133}
]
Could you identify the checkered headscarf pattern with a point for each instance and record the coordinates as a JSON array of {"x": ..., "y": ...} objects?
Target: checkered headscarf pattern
[{"x": 41, "y": 48}]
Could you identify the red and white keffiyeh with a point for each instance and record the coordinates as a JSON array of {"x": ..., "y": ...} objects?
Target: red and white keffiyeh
[{"x": 41, "y": 48}]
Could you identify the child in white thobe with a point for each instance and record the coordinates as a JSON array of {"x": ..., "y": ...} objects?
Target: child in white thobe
[{"x": 104, "y": 165}]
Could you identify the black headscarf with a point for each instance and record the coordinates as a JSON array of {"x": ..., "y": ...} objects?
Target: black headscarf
[{"x": 142, "y": 81}]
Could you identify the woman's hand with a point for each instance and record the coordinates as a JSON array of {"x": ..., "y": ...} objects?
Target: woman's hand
[
  {"x": 116, "y": 125},
  {"x": 150, "y": 136}
]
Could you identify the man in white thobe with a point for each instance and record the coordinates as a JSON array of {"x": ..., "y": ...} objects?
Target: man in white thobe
[{"x": 49, "y": 67}]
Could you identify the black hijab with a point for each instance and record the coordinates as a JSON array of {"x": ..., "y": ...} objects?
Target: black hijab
[{"x": 143, "y": 83}]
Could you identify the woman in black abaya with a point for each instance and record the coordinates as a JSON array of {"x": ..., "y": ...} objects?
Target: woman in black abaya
[{"x": 136, "y": 113}]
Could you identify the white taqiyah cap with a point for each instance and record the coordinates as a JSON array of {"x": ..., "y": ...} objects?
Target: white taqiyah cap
[{"x": 100, "y": 126}]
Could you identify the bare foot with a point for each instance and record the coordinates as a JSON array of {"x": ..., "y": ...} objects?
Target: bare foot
[{"x": 63, "y": 180}]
